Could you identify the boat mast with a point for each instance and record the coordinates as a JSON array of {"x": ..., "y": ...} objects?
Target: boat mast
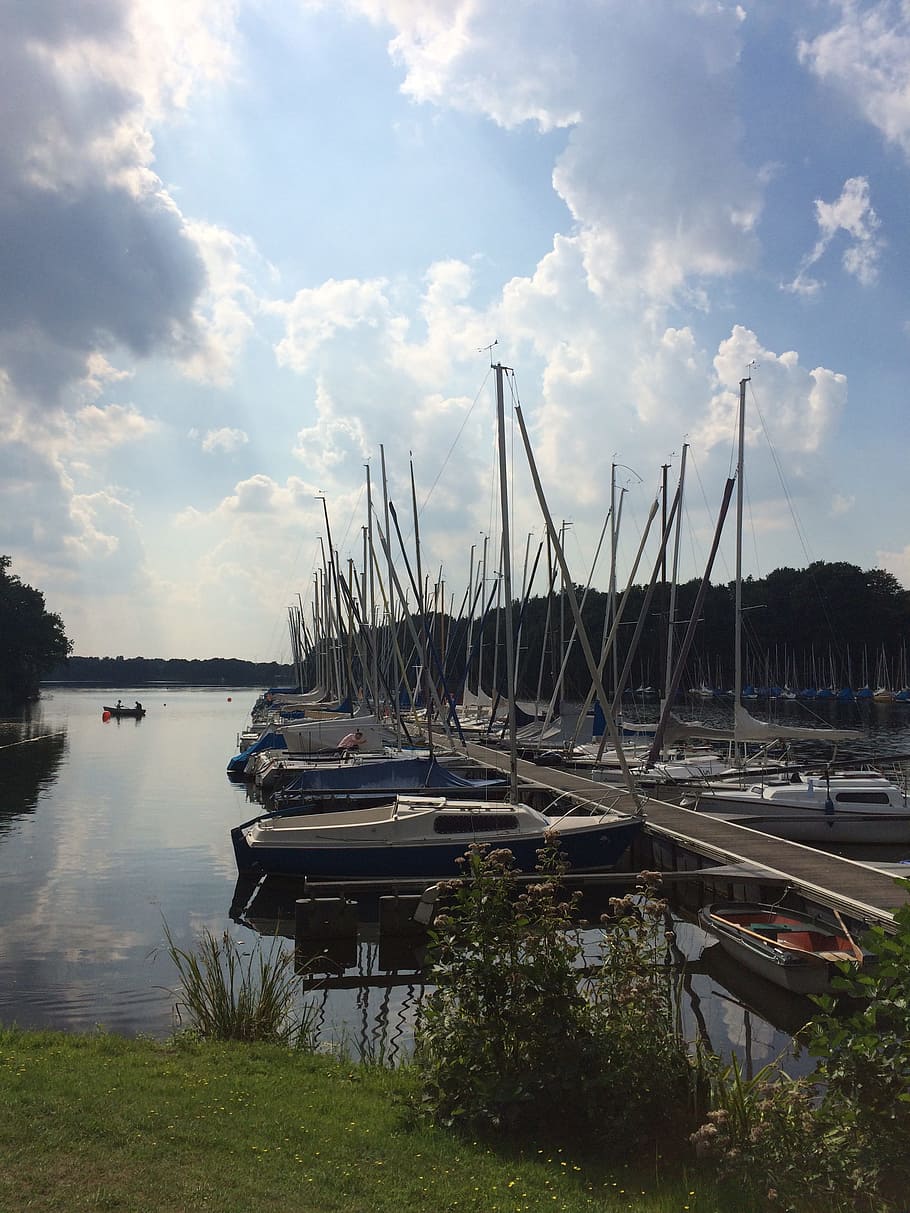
[
  {"x": 507, "y": 580},
  {"x": 671, "y": 609},
  {"x": 370, "y": 572},
  {"x": 738, "y": 611}
]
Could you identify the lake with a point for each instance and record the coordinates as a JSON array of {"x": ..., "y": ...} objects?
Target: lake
[{"x": 109, "y": 831}]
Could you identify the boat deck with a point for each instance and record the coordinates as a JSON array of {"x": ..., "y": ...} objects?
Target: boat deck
[{"x": 841, "y": 883}]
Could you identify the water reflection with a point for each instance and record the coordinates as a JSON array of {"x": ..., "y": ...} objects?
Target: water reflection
[
  {"x": 367, "y": 989},
  {"x": 787, "y": 1013},
  {"x": 109, "y": 832},
  {"x": 31, "y": 752},
  {"x": 364, "y": 989}
]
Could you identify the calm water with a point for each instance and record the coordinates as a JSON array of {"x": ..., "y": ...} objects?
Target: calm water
[{"x": 109, "y": 831}]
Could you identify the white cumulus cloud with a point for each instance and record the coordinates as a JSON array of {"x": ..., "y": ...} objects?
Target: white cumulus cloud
[
  {"x": 853, "y": 214},
  {"x": 226, "y": 440},
  {"x": 866, "y": 57}
]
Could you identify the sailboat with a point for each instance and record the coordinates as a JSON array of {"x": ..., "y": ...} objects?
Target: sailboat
[
  {"x": 426, "y": 836},
  {"x": 850, "y": 807}
]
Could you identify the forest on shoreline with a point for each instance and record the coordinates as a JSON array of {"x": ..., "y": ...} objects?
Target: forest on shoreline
[
  {"x": 141, "y": 671},
  {"x": 831, "y": 624}
]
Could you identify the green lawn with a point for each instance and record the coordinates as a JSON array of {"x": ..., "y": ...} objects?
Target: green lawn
[{"x": 103, "y": 1122}]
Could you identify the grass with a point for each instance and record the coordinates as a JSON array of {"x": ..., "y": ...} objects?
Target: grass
[{"x": 103, "y": 1122}]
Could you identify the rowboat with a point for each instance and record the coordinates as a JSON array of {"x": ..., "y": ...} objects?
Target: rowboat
[
  {"x": 423, "y": 836},
  {"x": 136, "y": 712},
  {"x": 799, "y": 951}
]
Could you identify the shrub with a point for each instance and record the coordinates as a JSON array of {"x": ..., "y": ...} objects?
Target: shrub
[
  {"x": 862, "y": 1042},
  {"x": 771, "y": 1136},
  {"x": 654, "y": 1082},
  {"x": 515, "y": 1038}
]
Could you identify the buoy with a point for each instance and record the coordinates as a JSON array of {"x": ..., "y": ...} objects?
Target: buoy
[
  {"x": 105, "y": 716},
  {"x": 229, "y": 699}
]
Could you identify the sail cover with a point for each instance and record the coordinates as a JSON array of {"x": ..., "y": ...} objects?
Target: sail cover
[{"x": 747, "y": 728}]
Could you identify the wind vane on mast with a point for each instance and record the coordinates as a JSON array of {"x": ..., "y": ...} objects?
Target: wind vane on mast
[{"x": 485, "y": 349}]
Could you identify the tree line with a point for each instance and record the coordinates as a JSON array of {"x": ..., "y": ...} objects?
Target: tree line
[
  {"x": 136, "y": 671},
  {"x": 832, "y": 624},
  {"x": 32, "y": 639}
]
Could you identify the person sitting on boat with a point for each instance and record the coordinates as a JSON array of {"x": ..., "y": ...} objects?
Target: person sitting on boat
[
  {"x": 138, "y": 706},
  {"x": 119, "y": 704},
  {"x": 351, "y": 742}
]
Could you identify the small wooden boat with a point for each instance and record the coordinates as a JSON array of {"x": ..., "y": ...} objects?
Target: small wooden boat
[
  {"x": 136, "y": 712},
  {"x": 798, "y": 951}
]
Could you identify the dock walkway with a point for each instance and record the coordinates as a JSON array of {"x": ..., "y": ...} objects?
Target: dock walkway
[{"x": 839, "y": 883}]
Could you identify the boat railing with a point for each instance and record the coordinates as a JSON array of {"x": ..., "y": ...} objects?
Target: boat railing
[{"x": 597, "y": 800}]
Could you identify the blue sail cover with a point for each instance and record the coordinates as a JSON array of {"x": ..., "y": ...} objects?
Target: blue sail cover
[
  {"x": 396, "y": 775},
  {"x": 268, "y": 741}
]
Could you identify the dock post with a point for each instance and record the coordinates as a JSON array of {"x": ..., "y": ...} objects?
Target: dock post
[
  {"x": 325, "y": 934},
  {"x": 402, "y": 938}
]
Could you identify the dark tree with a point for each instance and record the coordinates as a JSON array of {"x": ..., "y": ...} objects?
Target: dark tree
[{"x": 32, "y": 639}]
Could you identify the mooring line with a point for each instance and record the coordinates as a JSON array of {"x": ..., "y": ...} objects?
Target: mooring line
[{"x": 25, "y": 740}]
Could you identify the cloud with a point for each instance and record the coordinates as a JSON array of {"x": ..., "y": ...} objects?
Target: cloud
[
  {"x": 801, "y": 407},
  {"x": 98, "y": 429},
  {"x": 256, "y": 497},
  {"x": 225, "y": 440},
  {"x": 98, "y": 374},
  {"x": 225, "y": 310},
  {"x": 866, "y": 57},
  {"x": 336, "y": 438},
  {"x": 897, "y": 563},
  {"x": 853, "y": 214},
  {"x": 653, "y": 176},
  {"x": 96, "y": 255},
  {"x": 315, "y": 314}
]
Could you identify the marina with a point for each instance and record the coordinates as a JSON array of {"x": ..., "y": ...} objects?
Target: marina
[
  {"x": 815, "y": 875},
  {"x": 107, "y": 831}
]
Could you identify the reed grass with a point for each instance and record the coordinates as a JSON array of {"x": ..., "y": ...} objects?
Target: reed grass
[{"x": 231, "y": 992}]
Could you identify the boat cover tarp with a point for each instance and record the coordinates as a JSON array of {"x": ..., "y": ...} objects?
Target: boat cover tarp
[
  {"x": 395, "y": 775},
  {"x": 268, "y": 741},
  {"x": 344, "y": 706}
]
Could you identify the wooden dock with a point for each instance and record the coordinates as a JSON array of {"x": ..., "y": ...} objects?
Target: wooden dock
[{"x": 842, "y": 884}]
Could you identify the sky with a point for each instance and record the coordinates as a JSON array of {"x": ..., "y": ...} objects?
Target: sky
[{"x": 250, "y": 248}]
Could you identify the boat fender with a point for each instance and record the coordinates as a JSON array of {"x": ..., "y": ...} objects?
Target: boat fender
[{"x": 829, "y": 810}]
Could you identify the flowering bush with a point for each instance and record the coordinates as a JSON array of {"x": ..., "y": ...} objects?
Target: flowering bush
[
  {"x": 653, "y": 1079},
  {"x": 773, "y": 1136},
  {"x": 517, "y": 1038}
]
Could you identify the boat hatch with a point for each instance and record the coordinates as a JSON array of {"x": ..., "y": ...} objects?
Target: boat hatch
[
  {"x": 470, "y": 823},
  {"x": 862, "y": 798}
]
